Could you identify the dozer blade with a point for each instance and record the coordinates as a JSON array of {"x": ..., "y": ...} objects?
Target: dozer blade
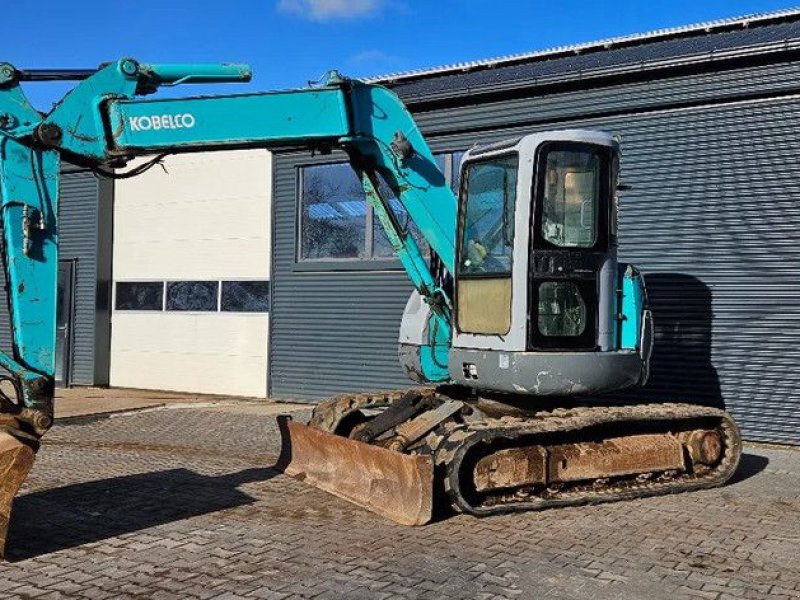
[
  {"x": 394, "y": 485},
  {"x": 16, "y": 460}
]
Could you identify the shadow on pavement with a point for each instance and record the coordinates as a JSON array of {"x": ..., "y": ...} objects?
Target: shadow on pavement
[
  {"x": 73, "y": 515},
  {"x": 749, "y": 465}
]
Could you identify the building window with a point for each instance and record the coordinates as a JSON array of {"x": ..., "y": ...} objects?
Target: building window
[
  {"x": 192, "y": 295},
  {"x": 334, "y": 213},
  {"x": 245, "y": 296},
  {"x": 337, "y": 222},
  {"x": 140, "y": 295}
]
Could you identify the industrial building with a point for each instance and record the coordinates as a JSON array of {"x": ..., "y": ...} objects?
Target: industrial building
[
  {"x": 708, "y": 118},
  {"x": 266, "y": 274}
]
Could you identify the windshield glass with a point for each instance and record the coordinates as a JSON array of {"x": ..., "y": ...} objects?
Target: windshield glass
[
  {"x": 570, "y": 206},
  {"x": 488, "y": 239}
]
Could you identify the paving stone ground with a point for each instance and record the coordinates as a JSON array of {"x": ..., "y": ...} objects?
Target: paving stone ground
[{"x": 183, "y": 503}]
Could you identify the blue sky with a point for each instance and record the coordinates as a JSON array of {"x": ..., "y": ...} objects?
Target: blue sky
[{"x": 289, "y": 42}]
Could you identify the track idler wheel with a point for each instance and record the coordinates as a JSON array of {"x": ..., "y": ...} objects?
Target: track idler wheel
[{"x": 704, "y": 446}]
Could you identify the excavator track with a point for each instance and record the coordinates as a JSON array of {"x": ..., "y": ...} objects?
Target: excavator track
[
  {"x": 485, "y": 465},
  {"x": 651, "y": 427}
]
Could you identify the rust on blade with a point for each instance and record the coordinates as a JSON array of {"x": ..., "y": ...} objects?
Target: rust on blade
[
  {"x": 16, "y": 460},
  {"x": 397, "y": 486},
  {"x": 615, "y": 457}
]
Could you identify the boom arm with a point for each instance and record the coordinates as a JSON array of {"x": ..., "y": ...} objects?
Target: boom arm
[{"x": 104, "y": 123}]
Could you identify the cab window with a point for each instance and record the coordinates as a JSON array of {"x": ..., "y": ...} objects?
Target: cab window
[
  {"x": 487, "y": 241},
  {"x": 483, "y": 285},
  {"x": 571, "y": 200}
]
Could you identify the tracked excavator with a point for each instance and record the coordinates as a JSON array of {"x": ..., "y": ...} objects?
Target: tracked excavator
[{"x": 521, "y": 310}]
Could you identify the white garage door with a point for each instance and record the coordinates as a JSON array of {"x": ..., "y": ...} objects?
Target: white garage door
[{"x": 191, "y": 275}]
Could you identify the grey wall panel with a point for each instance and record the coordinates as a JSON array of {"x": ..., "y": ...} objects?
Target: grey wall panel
[
  {"x": 79, "y": 222},
  {"x": 331, "y": 331},
  {"x": 713, "y": 219},
  {"x": 78, "y": 214},
  {"x": 103, "y": 280}
]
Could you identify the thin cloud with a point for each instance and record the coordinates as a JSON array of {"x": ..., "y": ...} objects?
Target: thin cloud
[
  {"x": 370, "y": 63},
  {"x": 328, "y": 10},
  {"x": 372, "y": 56}
]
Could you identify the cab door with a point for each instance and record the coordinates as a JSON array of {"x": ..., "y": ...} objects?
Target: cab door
[
  {"x": 569, "y": 245},
  {"x": 486, "y": 244}
]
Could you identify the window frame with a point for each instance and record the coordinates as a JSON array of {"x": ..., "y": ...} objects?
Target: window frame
[
  {"x": 160, "y": 282},
  {"x": 461, "y": 197},
  {"x": 587, "y": 340},
  {"x": 220, "y": 283},
  {"x": 366, "y": 263},
  {"x": 175, "y": 282},
  {"x": 268, "y": 283},
  {"x": 602, "y": 241},
  {"x": 462, "y": 215},
  {"x": 299, "y": 207},
  {"x": 567, "y": 283}
]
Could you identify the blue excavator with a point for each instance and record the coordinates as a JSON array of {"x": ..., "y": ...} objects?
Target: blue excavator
[{"x": 521, "y": 310}]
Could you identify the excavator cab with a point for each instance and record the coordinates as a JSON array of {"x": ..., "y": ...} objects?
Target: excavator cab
[{"x": 542, "y": 306}]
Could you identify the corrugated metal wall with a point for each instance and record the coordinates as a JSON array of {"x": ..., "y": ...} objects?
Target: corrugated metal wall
[
  {"x": 713, "y": 220},
  {"x": 337, "y": 330},
  {"x": 79, "y": 217},
  {"x": 79, "y": 242}
]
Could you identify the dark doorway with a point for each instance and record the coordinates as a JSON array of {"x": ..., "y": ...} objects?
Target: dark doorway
[{"x": 64, "y": 321}]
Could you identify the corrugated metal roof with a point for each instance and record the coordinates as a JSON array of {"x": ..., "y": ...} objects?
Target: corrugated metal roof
[{"x": 704, "y": 41}]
